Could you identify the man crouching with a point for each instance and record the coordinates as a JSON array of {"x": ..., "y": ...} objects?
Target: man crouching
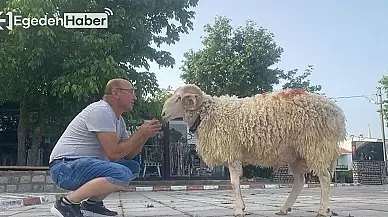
[{"x": 88, "y": 157}]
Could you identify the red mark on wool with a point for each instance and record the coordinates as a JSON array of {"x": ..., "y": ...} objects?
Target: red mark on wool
[{"x": 290, "y": 94}]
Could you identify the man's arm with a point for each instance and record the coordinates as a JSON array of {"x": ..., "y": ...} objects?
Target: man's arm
[
  {"x": 116, "y": 150},
  {"x": 104, "y": 125},
  {"x": 134, "y": 152},
  {"x": 125, "y": 136}
]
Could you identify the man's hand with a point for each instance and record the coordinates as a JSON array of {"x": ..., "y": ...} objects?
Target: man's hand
[
  {"x": 150, "y": 129},
  {"x": 146, "y": 130}
]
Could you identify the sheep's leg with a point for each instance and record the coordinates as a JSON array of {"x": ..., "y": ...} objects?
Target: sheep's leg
[
  {"x": 297, "y": 187},
  {"x": 324, "y": 180},
  {"x": 235, "y": 170}
]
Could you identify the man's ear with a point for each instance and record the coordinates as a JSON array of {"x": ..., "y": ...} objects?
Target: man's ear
[{"x": 190, "y": 101}]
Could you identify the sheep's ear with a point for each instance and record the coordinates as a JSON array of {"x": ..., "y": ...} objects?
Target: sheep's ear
[{"x": 190, "y": 101}]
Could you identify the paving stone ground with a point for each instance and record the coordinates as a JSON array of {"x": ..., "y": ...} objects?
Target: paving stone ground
[{"x": 353, "y": 201}]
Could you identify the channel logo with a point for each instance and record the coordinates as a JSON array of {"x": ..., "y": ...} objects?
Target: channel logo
[{"x": 69, "y": 20}]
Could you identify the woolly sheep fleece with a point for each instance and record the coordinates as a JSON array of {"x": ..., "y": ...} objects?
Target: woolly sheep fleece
[{"x": 270, "y": 129}]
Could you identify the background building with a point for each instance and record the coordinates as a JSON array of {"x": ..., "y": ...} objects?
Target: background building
[{"x": 366, "y": 161}]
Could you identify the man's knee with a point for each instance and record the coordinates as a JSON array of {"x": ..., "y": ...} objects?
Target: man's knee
[
  {"x": 134, "y": 166},
  {"x": 135, "y": 169},
  {"x": 120, "y": 175}
]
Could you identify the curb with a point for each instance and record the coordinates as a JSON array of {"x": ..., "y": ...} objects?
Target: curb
[
  {"x": 225, "y": 187},
  {"x": 37, "y": 200},
  {"x": 26, "y": 201}
]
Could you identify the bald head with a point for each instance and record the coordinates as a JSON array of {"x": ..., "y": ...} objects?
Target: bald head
[
  {"x": 119, "y": 94},
  {"x": 116, "y": 83}
]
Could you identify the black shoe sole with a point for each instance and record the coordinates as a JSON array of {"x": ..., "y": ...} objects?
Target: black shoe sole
[
  {"x": 55, "y": 211},
  {"x": 92, "y": 214}
]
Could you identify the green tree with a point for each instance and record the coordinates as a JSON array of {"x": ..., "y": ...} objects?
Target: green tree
[
  {"x": 240, "y": 62},
  {"x": 53, "y": 72},
  {"x": 151, "y": 107},
  {"x": 300, "y": 81},
  {"x": 384, "y": 83},
  {"x": 233, "y": 62}
]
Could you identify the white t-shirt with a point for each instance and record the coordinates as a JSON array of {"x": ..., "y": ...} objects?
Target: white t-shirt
[{"x": 80, "y": 138}]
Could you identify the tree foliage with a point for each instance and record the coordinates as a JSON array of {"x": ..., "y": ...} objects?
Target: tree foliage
[
  {"x": 151, "y": 107},
  {"x": 233, "y": 62},
  {"x": 300, "y": 81},
  {"x": 53, "y": 72},
  {"x": 384, "y": 83},
  {"x": 240, "y": 62}
]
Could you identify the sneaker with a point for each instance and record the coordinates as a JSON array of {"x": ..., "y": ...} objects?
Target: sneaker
[
  {"x": 60, "y": 209},
  {"x": 96, "y": 210}
]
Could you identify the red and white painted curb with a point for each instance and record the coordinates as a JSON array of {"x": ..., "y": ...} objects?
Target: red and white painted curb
[
  {"x": 224, "y": 187},
  {"x": 9, "y": 201}
]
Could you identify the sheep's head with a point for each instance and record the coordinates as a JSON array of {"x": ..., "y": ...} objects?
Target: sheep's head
[{"x": 185, "y": 98}]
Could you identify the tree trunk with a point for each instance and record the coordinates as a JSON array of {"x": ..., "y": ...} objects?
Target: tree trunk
[
  {"x": 35, "y": 158},
  {"x": 22, "y": 131},
  {"x": 38, "y": 132}
]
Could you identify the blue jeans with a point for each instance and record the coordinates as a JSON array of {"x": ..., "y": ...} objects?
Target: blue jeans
[{"x": 70, "y": 175}]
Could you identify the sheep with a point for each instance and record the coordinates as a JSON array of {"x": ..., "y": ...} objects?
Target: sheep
[{"x": 288, "y": 127}]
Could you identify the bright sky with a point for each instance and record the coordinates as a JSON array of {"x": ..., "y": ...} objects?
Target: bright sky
[{"x": 345, "y": 40}]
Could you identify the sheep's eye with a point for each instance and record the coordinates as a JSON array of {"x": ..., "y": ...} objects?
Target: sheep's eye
[{"x": 179, "y": 98}]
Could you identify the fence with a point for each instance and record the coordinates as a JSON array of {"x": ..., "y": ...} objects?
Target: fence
[{"x": 35, "y": 157}]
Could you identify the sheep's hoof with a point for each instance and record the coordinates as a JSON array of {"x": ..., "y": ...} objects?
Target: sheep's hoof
[
  {"x": 322, "y": 213},
  {"x": 239, "y": 214},
  {"x": 281, "y": 212},
  {"x": 319, "y": 214}
]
